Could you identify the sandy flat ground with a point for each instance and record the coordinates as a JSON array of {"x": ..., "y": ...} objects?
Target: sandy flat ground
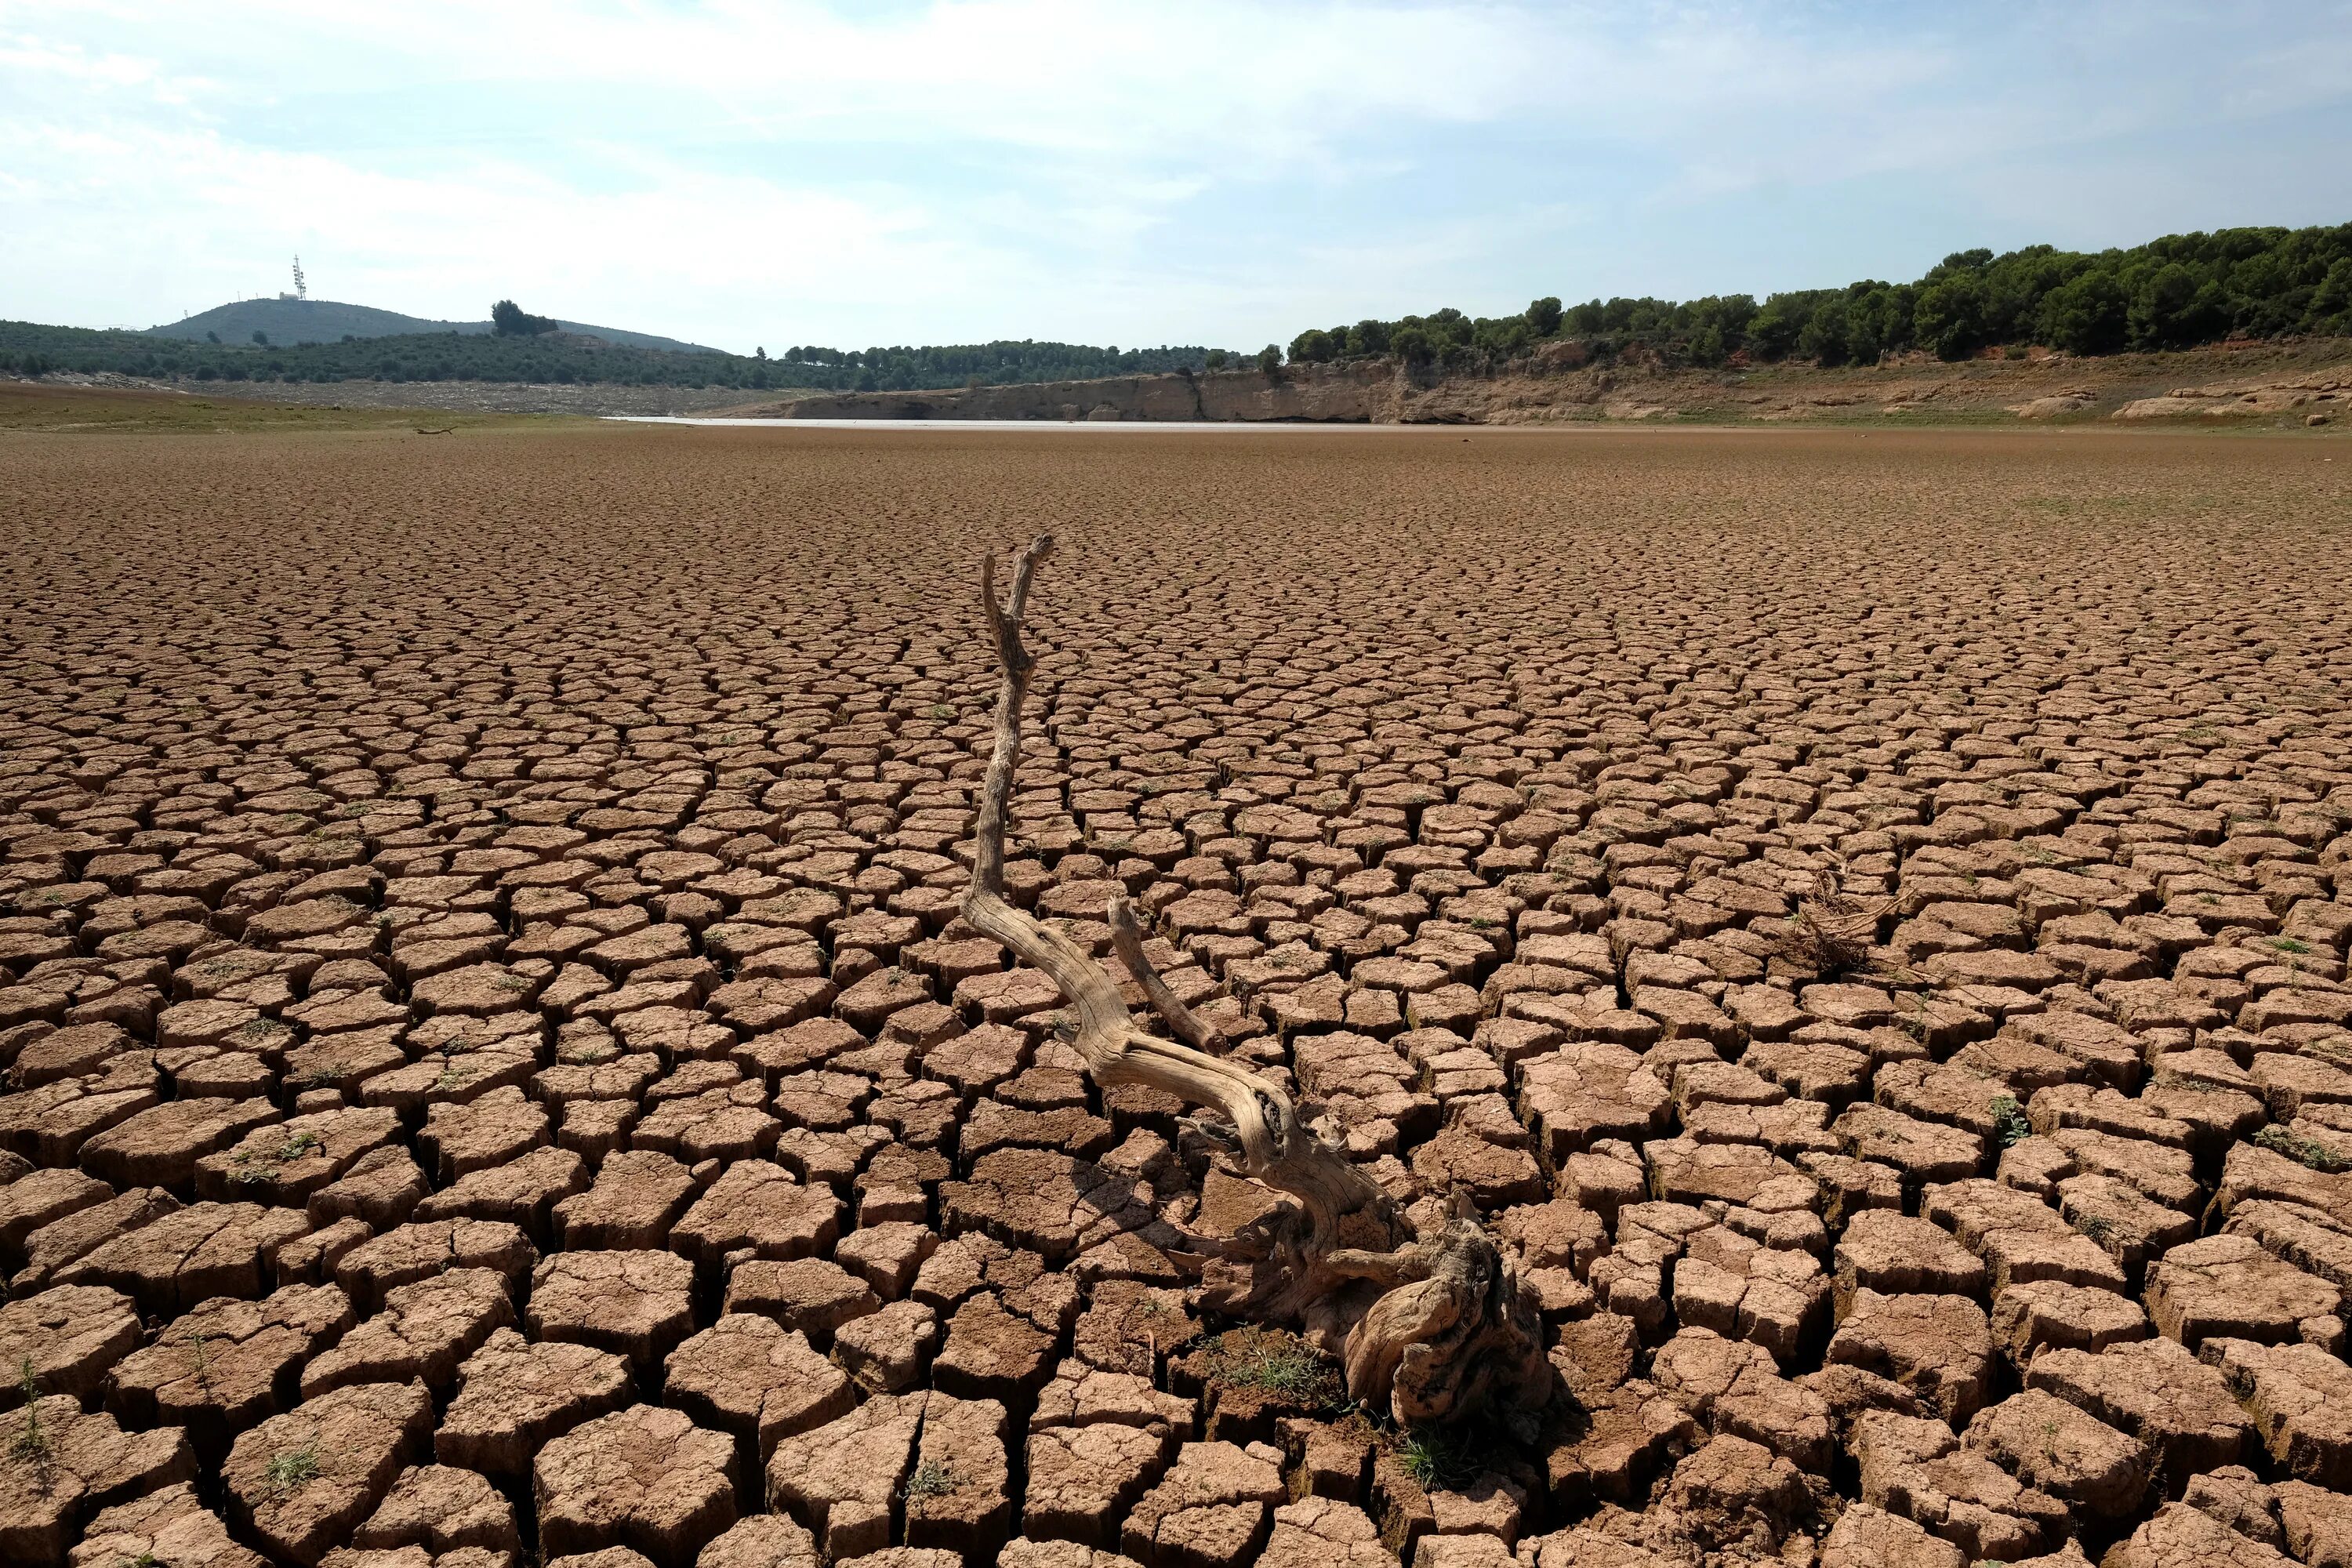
[{"x": 479, "y": 992}]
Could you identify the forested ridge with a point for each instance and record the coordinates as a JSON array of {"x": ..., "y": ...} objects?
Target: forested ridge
[
  {"x": 2173, "y": 293},
  {"x": 540, "y": 356}
]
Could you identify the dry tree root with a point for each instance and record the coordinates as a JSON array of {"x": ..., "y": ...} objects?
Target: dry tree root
[
  {"x": 1832, "y": 931},
  {"x": 1431, "y": 1325}
]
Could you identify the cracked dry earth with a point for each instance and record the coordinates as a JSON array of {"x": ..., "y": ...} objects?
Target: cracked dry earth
[{"x": 494, "y": 1074}]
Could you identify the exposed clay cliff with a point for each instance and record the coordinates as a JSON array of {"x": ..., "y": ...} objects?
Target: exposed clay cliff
[
  {"x": 2307, "y": 383},
  {"x": 1347, "y": 395}
]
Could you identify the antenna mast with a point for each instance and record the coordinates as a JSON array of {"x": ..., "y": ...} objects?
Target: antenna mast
[{"x": 301, "y": 289}]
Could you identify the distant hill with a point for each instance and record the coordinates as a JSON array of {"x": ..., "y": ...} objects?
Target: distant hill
[
  {"x": 330, "y": 322},
  {"x": 306, "y": 345}
]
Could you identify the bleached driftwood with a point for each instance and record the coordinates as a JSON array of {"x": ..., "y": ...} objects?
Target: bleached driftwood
[{"x": 1431, "y": 1325}]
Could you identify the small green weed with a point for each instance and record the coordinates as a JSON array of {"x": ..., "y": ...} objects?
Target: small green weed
[
  {"x": 2301, "y": 1151},
  {"x": 290, "y": 1467},
  {"x": 2009, "y": 1123},
  {"x": 1438, "y": 1459},
  {"x": 1277, "y": 1364},
  {"x": 32, "y": 1442},
  {"x": 2336, "y": 1049},
  {"x": 930, "y": 1478}
]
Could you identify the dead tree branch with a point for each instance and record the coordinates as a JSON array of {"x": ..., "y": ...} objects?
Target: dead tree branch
[
  {"x": 1832, "y": 931},
  {"x": 1432, "y": 1325}
]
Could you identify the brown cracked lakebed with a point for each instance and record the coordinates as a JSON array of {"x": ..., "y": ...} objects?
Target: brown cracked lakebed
[{"x": 494, "y": 1068}]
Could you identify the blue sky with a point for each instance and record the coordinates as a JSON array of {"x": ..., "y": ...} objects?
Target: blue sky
[{"x": 744, "y": 174}]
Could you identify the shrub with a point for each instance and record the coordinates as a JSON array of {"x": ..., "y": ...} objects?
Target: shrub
[{"x": 509, "y": 320}]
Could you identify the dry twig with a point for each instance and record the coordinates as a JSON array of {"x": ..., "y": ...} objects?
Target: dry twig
[{"x": 1832, "y": 931}]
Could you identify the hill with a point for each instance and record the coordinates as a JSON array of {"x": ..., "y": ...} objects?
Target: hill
[
  {"x": 565, "y": 357},
  {"x": 331, "y": 320}
]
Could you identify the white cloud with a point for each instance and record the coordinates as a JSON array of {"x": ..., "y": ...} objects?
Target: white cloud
[
  {"x": 738, "y": 172},
  {"x": 27, "y": 57},
  {"x": 656, "y": 255}
]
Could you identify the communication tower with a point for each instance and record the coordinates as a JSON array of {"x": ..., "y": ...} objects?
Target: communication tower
[{"x": 301, "y": 289}]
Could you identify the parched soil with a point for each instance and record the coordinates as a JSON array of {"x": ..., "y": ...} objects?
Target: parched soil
[
  {"x": 494, "y": 1073},
  {"x": 118, "y": 406},
  {"x": 591, "y": 398}
]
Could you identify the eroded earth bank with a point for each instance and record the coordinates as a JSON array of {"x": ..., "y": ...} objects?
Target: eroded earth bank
[
  {"x": 2240, "y": 385},
  {"x": 494, "y": 1072}
]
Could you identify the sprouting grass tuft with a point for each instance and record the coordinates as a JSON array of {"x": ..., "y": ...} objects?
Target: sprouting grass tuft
[
  {"x": 1438, "y": 1459},
  {"x": 930, "y": 1478},
  {"x": 32, "y": 1442},
  {"x": 292, "y": 1467},
  {"x": 1275, "y": 1363},
  {"x": 2303, "y": 1150}
]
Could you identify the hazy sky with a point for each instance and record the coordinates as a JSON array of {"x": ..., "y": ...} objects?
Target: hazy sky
[{"x": 1125, "y": 172}]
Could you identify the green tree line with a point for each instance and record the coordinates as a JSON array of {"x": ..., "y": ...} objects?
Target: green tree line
[
  {"x": 2170, "y": 293},
  {"x": 534, "y": 355}
]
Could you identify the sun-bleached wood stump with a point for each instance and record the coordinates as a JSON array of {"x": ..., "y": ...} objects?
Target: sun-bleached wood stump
[{"x": 1429, "y": 1325}]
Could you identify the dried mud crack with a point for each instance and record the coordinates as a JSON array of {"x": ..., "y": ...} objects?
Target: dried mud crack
[{"x": 497, "y": 1068}]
